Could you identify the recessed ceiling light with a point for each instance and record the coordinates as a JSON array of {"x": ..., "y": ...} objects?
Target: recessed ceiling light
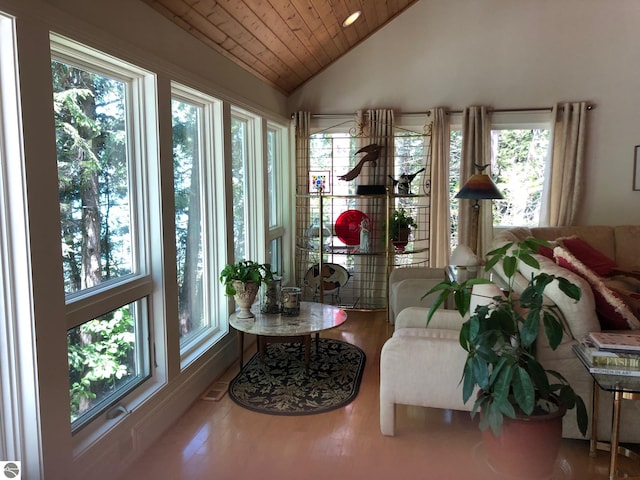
[{"x": 351, "y": 18}]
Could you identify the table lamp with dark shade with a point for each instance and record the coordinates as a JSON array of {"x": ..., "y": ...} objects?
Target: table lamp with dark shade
[{"x": 478, "y": 187}]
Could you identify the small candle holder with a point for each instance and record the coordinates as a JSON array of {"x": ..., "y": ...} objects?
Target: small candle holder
[
  {"x": 271, "y": 297},
  {"x": 291, "y": 301}
]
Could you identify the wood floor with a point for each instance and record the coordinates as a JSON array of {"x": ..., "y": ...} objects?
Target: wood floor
[{"x": 220, "y": 440}]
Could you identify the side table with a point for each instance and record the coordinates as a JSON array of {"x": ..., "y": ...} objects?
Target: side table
[
  {"x": 623, "y": 388},
  {"x": 456, "y": 273}
]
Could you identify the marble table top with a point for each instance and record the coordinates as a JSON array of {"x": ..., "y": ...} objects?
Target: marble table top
[{"x": 314, "y": 317}]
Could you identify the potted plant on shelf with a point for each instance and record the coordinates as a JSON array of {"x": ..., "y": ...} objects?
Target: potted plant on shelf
[
  {"x": 514, "y": 390},
  {"x": 400, "y": 224},
  {"x": 242, "y": 281}
]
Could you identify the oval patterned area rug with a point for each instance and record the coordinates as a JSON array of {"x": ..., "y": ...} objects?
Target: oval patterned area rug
[{"x": 280, "y": 384}]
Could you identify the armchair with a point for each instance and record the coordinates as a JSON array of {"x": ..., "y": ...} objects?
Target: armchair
[
  {"x": 422, "y": 366},
  {"x": 419, "y": 365},
  {"x": 408, "y": 285}
]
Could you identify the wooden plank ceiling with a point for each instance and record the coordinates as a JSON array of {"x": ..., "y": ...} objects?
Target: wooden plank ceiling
[{"x": 284, "y": 42}]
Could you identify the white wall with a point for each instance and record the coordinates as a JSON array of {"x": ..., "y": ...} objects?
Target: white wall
[{"x": 507, "y": 54}]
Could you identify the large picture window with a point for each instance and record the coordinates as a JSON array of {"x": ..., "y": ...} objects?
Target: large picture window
[
  {"x": 240, "y": 138},
  {"x": 519, "y": 158},
  {"x": 103, "y": 227},
  {"x": 259, "y": 188},
  {"x": 276, "y": 181},
  {"x": 195, "y": 121},
  {"x": 250, "y": 177},
  {"x": 187, "y": 171}
]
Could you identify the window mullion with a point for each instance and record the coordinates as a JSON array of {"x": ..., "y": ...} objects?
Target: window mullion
[{"x": 87, "y": 307}]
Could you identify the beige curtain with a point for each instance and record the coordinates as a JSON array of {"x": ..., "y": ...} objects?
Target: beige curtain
[
  {"x": 440, "y": 215},
  {"x": 476, "y": 150},
  {"x": 377, "y": 128},
  {"x": 566, "y": 176},
  {"x": 300, "y": 125}
]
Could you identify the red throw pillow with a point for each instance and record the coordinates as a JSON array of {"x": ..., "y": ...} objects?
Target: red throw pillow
[
  {"x": 546, "y": 251},
  {"x": 612, "y": 312},
  {"x": 593, "y": 258}
]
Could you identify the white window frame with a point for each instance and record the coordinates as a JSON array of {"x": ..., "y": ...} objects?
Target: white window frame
[
  {"x": 213, "y": 227},
  {"x": 20, "y": 430},
  {"x": 526, "y": 121},
  {"x": 255, "y": 213},
  {"x": 145, "y": 284},
  {"x": 516, "y": 120},
  {"x": 281, "y": 179}
]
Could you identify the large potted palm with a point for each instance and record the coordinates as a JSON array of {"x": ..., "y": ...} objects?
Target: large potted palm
[{"x": 517, "y": 399}]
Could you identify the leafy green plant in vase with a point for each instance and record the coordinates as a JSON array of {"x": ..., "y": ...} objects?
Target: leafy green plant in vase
[
  {"x": 242, "y": 281},
  {"x": 272, "y": 289},
  {"x": 512, "y": 387},
  {"x": 400, "y": 224}
]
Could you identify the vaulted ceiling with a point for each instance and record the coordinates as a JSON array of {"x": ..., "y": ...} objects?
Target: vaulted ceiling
[{"x": 284, "y": 42}]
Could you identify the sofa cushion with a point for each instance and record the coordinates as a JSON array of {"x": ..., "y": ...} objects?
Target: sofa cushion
[
  {"x": 627, "y": 253},
  {"x": 612, "y": 311},
  {"x": 590, "y": 256}
]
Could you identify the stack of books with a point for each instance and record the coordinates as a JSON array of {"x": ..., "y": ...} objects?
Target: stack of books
[{"x": 616, "y": 353}]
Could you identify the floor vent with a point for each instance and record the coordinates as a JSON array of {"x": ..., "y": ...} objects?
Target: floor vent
[{"x": 216, "y": 391}]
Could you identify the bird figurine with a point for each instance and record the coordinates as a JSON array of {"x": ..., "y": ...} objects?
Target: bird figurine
[
  {"x": 404, "y": 183},
  {"x": 372, "y": 153}
]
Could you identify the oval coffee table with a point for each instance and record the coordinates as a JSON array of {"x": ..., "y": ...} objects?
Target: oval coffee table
[{"x": 272, "y": 327}]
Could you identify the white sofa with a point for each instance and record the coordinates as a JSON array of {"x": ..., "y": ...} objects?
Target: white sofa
[
  {"x": 619, "y": 243},
  {"x": 423, "y": 366}
]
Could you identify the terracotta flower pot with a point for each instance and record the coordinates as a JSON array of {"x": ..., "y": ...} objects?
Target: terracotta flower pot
[
  {"x": 527, "y": 447},
  {"x": 245, "y": 296}
]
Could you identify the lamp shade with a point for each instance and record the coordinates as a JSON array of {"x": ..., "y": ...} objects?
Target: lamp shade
[
  {"x": 463, "y": 256},
  {"x": 479, "y": 187}
]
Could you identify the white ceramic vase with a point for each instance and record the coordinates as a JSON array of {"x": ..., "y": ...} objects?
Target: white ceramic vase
[{"x": 245, "y": 297}]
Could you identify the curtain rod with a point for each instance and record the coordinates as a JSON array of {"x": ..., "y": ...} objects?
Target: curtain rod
[
  {"x": 491, "y": 110},
  {"x": 523, "y": 110}
]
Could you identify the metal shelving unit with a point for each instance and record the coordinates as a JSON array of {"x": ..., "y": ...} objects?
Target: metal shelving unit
[
  {"x": 331, "y": 268},
  {"x": 320, "y": 249}
]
